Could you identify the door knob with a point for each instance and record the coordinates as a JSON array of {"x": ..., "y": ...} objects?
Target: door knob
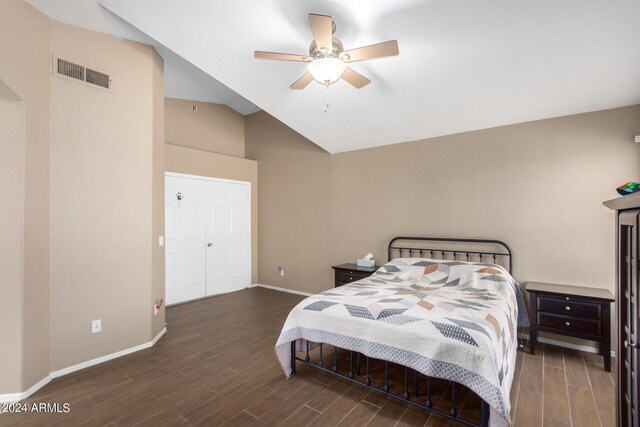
[{"x": 209, "y": 244}]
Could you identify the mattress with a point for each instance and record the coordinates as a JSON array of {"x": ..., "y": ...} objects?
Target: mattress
[{"x": 445, "y": 319}]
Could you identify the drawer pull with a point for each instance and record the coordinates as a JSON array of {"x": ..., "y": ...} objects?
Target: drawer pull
[
  {"x": 567, "y": 298},
  {"x": 567, "y": 323},
  {"x": 350, "y": 278},
  {"x": 568, "y": 308}
]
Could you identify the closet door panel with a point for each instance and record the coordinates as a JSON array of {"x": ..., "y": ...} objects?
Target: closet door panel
[
  {"x": 228, "y": 237},
  {"x": 184, "y": 239}
]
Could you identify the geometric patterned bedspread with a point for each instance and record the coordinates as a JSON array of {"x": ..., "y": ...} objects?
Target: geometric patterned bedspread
[{"x": 446, "y": 319}]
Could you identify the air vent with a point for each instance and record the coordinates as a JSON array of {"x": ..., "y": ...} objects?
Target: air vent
[
  {"x": 97, "y": 78},
  {"x": 70, "y": 70}
]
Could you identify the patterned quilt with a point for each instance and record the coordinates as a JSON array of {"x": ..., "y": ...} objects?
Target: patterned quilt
[{"x": 446, "y": 319}]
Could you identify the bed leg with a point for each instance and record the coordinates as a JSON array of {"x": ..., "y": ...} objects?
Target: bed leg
[
  {"x": 368, "y": 380},
  {"x": 406, "y": 383},
  {"x": 293, "y": 357},
  {"x": 386, "y": 377},
  {"x": 454, "y": 411},
  {"x": 485, "y": 411},
  {"x": 350, "y": 364}
]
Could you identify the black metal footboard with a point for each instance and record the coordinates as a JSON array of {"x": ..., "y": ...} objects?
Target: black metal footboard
[{"x": 355, "y": 376}]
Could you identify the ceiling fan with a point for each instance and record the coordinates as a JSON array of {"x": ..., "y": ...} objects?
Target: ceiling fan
[{"x": 327, "y": 60}]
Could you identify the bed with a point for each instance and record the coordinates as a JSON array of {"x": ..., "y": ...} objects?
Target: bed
[{"x": 439, "y": 309}]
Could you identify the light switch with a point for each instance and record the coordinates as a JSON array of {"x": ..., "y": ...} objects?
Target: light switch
[{"x": 161, "y": 241}]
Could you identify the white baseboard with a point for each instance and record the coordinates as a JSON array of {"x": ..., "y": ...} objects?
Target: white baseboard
[
  {"x": 157, "y": 337},
  {"x": 275, "y": 288},
  {"x": 16, "y": 397},
  {"x": 564, "y": 344},
  {"x": 107, "y": 357}
]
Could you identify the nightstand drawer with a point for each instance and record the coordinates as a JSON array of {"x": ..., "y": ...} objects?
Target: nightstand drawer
[
  {"x": 569, "y": 307},
  {"x": 350, "y": 276},
  {"x": 569, "y": 324},
  {"x": 347, "y": 273}
]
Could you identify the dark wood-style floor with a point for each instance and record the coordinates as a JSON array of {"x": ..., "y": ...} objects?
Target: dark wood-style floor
[{"x": 216, "y": 365}]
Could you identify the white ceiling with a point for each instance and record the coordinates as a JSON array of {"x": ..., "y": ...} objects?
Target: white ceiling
[
  {"x": 182, "y": 79},
  {"x": 463, "y": 64}
]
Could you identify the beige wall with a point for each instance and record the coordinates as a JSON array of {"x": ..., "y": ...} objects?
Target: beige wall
[
  {"x": 197, "y": 162},
  {"x": 25, "y": 69},
  {"x": 83, "y": 183},
  {"x": 104, "y": 181},
  {"x": 11, "y": 244},
  {"x": 213, "y": 127},
  {"x": 295, "y": 225},
  {"x": 158, "y": 263},
  {"x": 538, "y": 186}
]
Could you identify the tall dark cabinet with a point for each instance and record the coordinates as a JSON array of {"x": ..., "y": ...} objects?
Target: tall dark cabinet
[{"x": 626, "y": 314}]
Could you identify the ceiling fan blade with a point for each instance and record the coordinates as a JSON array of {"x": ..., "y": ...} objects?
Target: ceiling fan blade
[
  {"x": 302, "y": 82},
  {"x": 281, "y": 56},
  {"x": 355, "y": 79},
  {"x": 379, "y": 50},
  {"x": 322, "y": 28}
]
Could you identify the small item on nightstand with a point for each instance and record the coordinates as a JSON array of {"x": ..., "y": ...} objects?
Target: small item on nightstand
[
  {"x": 367, "y": 261},
  {"x": 628, "y": 188}
]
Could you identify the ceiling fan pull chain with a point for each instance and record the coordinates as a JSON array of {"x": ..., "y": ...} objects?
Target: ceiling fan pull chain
[{"x": 326, "y": 102}]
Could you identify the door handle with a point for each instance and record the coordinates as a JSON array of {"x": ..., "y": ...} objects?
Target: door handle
[
  {"x": 209, "y": 244},
  {"x": 630, "y": 345}
]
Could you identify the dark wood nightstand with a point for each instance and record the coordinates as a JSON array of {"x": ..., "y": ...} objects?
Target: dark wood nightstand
[
  {"x": 574, "y": 311},
  {"x": 347, "y": 273}
]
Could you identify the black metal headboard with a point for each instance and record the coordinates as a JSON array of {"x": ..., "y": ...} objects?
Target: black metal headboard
[{"x": 479, "y": 250}]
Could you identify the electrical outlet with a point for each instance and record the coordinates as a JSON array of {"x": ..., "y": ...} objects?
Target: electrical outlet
[
  {"x": 96, "y": 326},
  {"x": 281, "y": 270}
]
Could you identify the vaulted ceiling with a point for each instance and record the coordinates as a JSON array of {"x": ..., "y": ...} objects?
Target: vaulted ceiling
[
  {"x": 182, "y": 79},
  {"x": 463, "y": 64}
]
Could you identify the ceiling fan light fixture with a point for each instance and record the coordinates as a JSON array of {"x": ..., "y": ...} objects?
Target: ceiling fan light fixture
[
  {"x": 327, "y": 60},
  {"x": 326, "y": 70}
]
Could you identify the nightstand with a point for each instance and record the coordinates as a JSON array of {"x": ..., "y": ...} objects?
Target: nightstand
[
  {"x": 347, "y": 273},
  {"x": 574, "y": 311}
]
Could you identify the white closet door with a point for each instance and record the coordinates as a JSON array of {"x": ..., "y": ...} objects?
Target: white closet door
[
  {"x": 228, "y": 236},
  {"x": 184, "y": 239}
]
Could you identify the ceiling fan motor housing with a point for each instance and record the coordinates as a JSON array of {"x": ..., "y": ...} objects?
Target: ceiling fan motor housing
[{"x": 336, "y": 50}]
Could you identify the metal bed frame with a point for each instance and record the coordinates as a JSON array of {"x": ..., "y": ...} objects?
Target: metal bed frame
[
  {"x": 477, "y": 255},
  {"x": 504, "y": 252}
]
